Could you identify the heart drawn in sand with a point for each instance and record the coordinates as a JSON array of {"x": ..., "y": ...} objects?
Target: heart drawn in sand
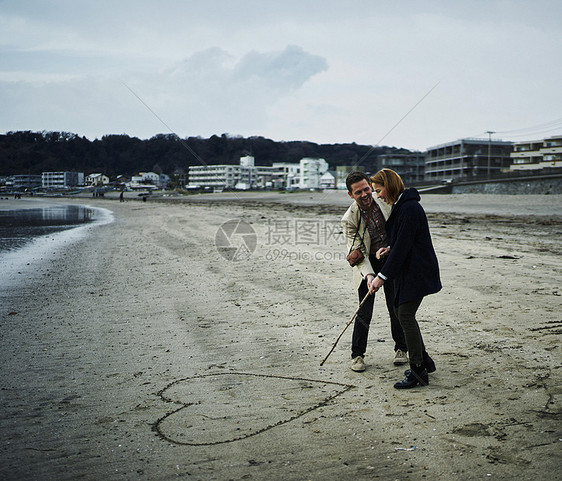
[{"x": 225, "y": 407}]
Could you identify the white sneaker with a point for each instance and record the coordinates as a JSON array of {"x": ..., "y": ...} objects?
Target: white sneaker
[
  {"x": 400, "y": 357},
  {"x": 358, "y": 364}
]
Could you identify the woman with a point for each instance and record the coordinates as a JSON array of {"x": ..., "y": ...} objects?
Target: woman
[{"x": 411, "y": 264}]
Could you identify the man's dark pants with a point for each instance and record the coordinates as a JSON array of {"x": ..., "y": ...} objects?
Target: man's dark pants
[{"x": 363, "y": 319}]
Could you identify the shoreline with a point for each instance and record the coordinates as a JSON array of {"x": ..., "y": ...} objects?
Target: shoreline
[{"x": 19, "y": 262}]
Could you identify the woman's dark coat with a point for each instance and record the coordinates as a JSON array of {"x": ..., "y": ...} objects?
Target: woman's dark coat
[{"x": 412, "y": 263}]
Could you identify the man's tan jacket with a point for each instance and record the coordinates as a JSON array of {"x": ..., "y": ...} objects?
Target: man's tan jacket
[{"x": 357, "y": 237}]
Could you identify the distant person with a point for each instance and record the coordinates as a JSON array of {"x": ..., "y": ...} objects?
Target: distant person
[
  {"x": 364, "y": 228},
  {"x": 411, "y": 265},
  {"x": 121, "y": 197}
]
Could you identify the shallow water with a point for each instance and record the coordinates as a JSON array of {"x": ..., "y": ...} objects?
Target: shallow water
[
  {"x": 20, "y": 226},
  {"x": 30, "y": 236}
]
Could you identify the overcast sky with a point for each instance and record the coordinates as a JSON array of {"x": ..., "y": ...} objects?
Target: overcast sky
[{"x": 324, "y": 71}]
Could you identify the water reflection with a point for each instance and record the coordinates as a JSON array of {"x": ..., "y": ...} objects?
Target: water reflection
[{"x": 19, "y": 226}]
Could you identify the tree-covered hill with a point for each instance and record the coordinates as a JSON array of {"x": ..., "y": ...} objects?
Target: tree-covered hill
[{"x": 27, "y": 152}]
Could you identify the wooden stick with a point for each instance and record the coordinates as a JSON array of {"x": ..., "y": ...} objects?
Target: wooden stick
[{"x": 346, "y": 326}]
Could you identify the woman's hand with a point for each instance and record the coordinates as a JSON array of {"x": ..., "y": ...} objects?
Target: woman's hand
[{"x": 383, "y": 251}]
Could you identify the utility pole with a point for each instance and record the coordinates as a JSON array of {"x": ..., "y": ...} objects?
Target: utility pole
[{"x": 489, "y": 132}]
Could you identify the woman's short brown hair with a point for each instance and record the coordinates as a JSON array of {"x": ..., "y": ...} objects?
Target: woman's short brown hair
[{"x": 391, "y": 181}]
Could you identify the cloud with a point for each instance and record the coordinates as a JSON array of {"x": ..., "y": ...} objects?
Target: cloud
[
  {"x": 283, "y": 71},
  {"x": 216, "y": 71},
  {"x": 209, "y": 92},
  {"x": 223, "y": 93}
]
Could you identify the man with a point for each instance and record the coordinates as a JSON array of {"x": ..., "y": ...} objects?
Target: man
[{"x": 364, "y": 228}]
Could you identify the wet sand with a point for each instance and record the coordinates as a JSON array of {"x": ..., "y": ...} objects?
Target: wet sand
[{"x": 139, "y": 351}]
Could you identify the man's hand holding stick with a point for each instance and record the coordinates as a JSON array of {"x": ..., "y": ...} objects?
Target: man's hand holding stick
[{"x": 346, "y": 326}]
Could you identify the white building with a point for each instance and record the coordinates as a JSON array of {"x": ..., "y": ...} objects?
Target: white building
[
  {"x": 280, "y": 175},
  {"x": 289, "y": 174},
  {"x": 247, "y": 161},
  {"x": 246, "y": 175},
  {"x": 311, "y": 170},
  {"x": 97, "y": 180},
  {"x": 219, "y": 177},
  {"x": 147, "y": 180},
  {"x": 537, "y": 154}
]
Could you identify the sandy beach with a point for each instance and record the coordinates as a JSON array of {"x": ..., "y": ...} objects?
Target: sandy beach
[{"x": 184, "y": 340}]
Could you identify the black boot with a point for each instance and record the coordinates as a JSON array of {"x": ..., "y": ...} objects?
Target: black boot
[
  {"x": 427, "y": 363},
  {"x": 416, "y": 375}
]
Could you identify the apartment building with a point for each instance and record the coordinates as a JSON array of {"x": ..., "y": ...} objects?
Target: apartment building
[
  {"x": 26, "y": 182},
  {"x": 467, "y": 158},
  {"x": 311, "y": 171},
  {"x": 410, "y": 166},
  {"x": 281, "y": 175},
  {"x": 62, "y": 180},
  {"x": 218, "y": 177},
  {"x": 537, "y": 154}
]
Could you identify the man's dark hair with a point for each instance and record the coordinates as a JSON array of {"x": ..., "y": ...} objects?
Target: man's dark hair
[{"x": 355, "y": 177}]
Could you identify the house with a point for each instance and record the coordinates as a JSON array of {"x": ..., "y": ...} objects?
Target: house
[
  {"x": 97, "y": 180},
  {"x": 145, "y": 180},
  {"x": 328, "y": 180},
  {"x": 120, "y": 181}
]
